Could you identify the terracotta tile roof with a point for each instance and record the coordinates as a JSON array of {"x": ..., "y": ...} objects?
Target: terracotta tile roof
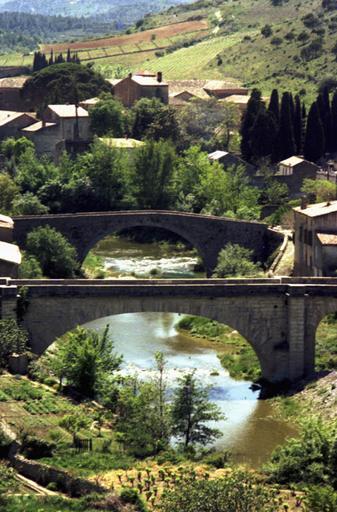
[
  {"x": 318, "y": 210},
  {"x": 239, "y": 99},
  {"x": 10, "y": 253},
  {"x": 148, "y": 81},
  {"x": 68, "y": 111},
  {"x": 194, "y": 87},
  {"x": 327, "y": 238}
]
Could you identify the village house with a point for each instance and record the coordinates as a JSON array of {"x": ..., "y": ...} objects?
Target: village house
[
  {"x": 62, "y": 125},
  {"x": 228, "y": 160},
  {"x": 140, "y": 85},
  {"x": 11, "y": 94},
  {"x": 11, "y": 122},
  {"x": 10, "y": 256},
  {"x": 315, "y": 233},
  {"x": 222, "y": 89}
]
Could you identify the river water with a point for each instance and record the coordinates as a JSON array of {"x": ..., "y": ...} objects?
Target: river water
[{"x": 249, "y": 431}]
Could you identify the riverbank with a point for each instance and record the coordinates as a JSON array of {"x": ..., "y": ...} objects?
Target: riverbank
[{"x": 235, "y": 354}]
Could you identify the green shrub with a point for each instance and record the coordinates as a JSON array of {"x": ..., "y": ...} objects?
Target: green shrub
[
  {"x": 34, "y": 448},
  {"x": 132, "y": 496},
  {"x": 321, "y": 499}
]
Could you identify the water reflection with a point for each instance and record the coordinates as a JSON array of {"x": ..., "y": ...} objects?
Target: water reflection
[{"x": 249, "y": 430}]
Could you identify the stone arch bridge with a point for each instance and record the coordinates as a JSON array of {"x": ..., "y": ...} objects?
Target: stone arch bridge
[
  {"x": 208, "y": 234},
  {"x": 278, "y": 317}
]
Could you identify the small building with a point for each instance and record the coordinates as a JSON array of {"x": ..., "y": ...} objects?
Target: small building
[
  {"x": 6, "y": 229},
  {"x": 87, "y": 104},
  {"x": 298, "y": 165},
  {"x": 11, "y": 94},
  {"x": 73, "y": 122},
  {"x": 10, "y": 259},
  {"x": 11, "y": 122},
  {"x": 62, "y": 127},
  {"x": 228, "y": 159},
  {"x": 143, "y": 85},
  {"x": 315, "y": 239}
]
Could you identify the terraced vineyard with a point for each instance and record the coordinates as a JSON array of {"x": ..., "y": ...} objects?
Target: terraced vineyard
[{"x": 193, "y": 62}]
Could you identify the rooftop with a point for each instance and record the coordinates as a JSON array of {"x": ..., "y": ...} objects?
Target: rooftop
[
  {"x": 216, "y": 155},
  {"x": 148, "y": 81},
  {"x": 7, "y": 116},
  {"x": 327, "y": 238},
  {"x": 10, "y": 253},
  {"x": 239, "y": 99},
  {"x": 220, "y": 85},
  {"x": 68, "y": 111},
  {"x": 13, "y": 81},
  {"x": 318, "y": 210},
  {"x": 292, "y": 161},
  {"x": 38, "y": 126},
  {"x": 122, "y": 143},
  {"x": 6, "y": 221}
]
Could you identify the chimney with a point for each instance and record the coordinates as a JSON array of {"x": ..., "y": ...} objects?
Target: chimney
[
  {"x": 130, "y": 75},
  {"x": 159, "y": 76},
  {"x": 304, "y": 202}
]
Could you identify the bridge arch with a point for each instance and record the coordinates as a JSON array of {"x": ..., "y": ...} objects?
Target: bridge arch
[
  {"x": 49, "y": 316},
  {"x": 208, "y": 234}
]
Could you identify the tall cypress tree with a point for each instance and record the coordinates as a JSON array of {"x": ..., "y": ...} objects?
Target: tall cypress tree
[
  {"x": 334, "y": 122},
  {"x": 263, "y": 134},
  {"x": 253, "y": 106},
  {"x": 69, "y": 55},
  {"x": 298, "y": 125},
  {"x": 314, "y": 139},
  {"x": 51, "y": 58},
  {"x": 286, "y": 140},
  {"x": 274, "y": 105}
]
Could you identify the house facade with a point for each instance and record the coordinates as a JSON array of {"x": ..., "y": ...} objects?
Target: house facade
[
  {"x": 315, "y": 234},
  {"x": 11, "y": 94},
  {"x": 143, "y": 85},
  {"x": 11, "y": 122}
]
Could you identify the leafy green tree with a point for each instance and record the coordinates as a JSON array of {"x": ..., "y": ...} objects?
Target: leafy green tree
[
  {"x": 13, "y": 148},
  {"x": 314, "y": 143},
  {"x": 9, "y": 191},
  {"x": 55, "y": 84},
  {"x": 191, "y": 413},
  {"x": 32, "y": 173},
  {"x": 321, "y": 498},
  {"x": 304, "y": 459},
  {"x": 55, "y": 254},
  {"x": 154, "y": 120},
  {"x": 28, "y": 204},
  {"x": 86, "y": 359},
  {"x": 154, "y": 175},
  {"x": 144, "y": 422},
  {"x": 30, "y": 268},
  {"x": 322, "y": 189},
  {"x": 106, "y": 171},
  {"x": 236, "y": 261},
  {"x": 239, "y": 491},
  {"x": 74, "y": 423},
  {"x": 108, "y": 118},
  {"x": 13, "y": 339}
]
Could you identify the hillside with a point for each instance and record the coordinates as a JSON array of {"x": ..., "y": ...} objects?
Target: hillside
[{"x": 296, "y": 50}]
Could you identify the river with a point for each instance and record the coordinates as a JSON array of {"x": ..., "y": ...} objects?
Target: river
[{"x": 249, "y": 431}]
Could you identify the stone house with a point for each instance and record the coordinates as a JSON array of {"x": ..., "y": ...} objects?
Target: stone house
[
  {"x": 143, "y": 85},
  {"x": 61, "y": 125},
  {"x": 10, "y": 256},
  {"x": 11, "y": 94},
  {"x": 315, "y": 233},
  {"x": 11, "y": 122}
]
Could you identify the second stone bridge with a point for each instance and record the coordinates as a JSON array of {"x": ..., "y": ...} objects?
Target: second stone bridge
[{"x": 208, "y": 234}]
